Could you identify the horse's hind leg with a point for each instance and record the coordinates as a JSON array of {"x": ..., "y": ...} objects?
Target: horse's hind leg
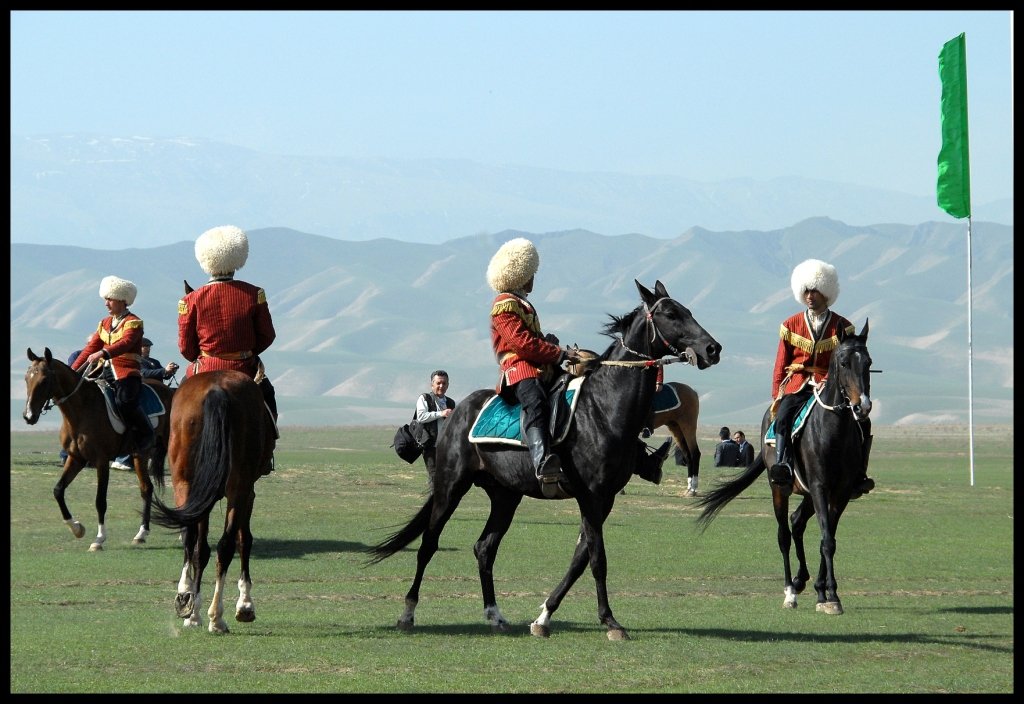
[
  {"x": 226, "y": 547},
  {"x": 503, "y": 507},
  {"x": 245, "y": 610},
  {"x": 71, "y": 469},
  {"x": 189, "y": 601}
]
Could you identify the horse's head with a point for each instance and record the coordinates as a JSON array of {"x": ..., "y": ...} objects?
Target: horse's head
[
  {"x": 672, "y": 329},
  {"x": 850, "y": 370},
  {"x": 38, "y": 385}
]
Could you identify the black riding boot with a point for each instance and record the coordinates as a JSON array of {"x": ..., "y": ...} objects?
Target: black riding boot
[
  {"x": 866, "y": 483},
  {"x": 548, "y": 466},
  {"x": 781, "y": 473},
  {"x": 648, "y": 466},
  {"x": 142, "y": 429}
]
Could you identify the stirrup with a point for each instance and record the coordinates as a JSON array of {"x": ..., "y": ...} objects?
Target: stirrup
[
  {"x": 781, "y": 474},
  {"x": 865, "y": 486}
]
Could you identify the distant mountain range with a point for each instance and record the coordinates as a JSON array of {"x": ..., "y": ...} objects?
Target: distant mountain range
[
  {"x": 91, "y": 190},
  {"x": 361, "y": 324}
]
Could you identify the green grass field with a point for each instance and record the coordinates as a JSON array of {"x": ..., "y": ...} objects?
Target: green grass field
[{"x": 924, "y": 565}]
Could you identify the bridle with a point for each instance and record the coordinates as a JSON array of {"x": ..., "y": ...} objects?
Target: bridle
[
  {"x": 646, "y": 360},
  {"x": 845, "y": 402},
  {"x": 50, "y": 401}
]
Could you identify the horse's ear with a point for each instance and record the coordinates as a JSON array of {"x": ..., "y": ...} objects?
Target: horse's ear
[
  {"x": 47, "y": 355},
  {"x": 31, "y": 355},
  {"x": 659, "y": 289},
  {"x": 188, "y": 289},
  {"x": 645, "y": 293},
  {"x": 864, "y": 330}
]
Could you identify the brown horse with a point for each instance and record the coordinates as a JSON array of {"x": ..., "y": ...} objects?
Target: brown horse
[
  {"x": 88, "y": 437},
  {"x": 681, "y": 421},
  {"x": 222, "y": 440}
]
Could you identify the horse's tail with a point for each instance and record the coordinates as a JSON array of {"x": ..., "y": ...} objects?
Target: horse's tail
[
  {"x": 399, "y": 540},
  {"x": 726, "y": 491},
  {"x": 211, "y": 462}
]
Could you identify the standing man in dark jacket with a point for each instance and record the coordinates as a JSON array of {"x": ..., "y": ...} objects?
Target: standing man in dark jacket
[{"x": 432, "y": 410}]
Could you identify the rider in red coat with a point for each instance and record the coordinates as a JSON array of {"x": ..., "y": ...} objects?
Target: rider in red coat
[
  {"x": 117, "y": 342},
  {"x": 226, "y": 323},
  {"x": 806, "y": 343}
]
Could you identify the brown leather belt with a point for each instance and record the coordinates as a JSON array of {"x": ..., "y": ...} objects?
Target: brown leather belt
[{"x": 231, "y": 356}]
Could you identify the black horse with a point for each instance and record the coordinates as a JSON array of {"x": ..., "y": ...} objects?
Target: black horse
[
  {"x": 598, "y": 457},
  {"x": 831, "y": 458}
]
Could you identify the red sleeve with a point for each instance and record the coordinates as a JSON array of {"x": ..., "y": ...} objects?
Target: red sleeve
[
  {"x": 92, "y": 344},
  {"x": 518, "y": 338},
  {"x": 782, "y": 360},
  {"x": 188, "y": 333},
  {"x": 264, "y": 332}
]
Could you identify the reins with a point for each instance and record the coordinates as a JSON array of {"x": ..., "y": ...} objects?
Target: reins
[{"x": 51, "y": 402}]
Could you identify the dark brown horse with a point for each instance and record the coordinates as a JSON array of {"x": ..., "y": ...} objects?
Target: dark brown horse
[
  {"x": 222, "y": 440},
  {"x": 88, "y": 437},
  {"x": 831, "y": 457}
]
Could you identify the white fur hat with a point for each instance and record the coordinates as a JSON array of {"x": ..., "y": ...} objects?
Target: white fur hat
[
  {"x": 222, "y": 250},
  {"x": 118, "y": 289},
  {"x": 513, "y": 265},
  {"x": 815, "y": 274}
]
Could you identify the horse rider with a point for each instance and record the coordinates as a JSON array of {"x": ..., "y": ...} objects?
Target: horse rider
[
  {"x": 226, "y": 323},
  {"x": 806, "y": 342},
  {"x": 522, "y": 351},
  {"x": 117, "y": 342}
]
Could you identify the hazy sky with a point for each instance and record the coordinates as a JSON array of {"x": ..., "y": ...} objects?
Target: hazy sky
[{"x": 842, "y": 96}]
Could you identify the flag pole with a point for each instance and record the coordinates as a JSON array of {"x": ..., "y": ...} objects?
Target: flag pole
[
  {"x": 953, "y": 189},
  {"x": 970, "y": 356}
]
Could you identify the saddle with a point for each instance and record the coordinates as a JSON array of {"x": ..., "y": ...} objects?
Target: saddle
[
  {"x": 501, "y": 421},
  {"x": 149, "y": 401},
  {"x": 798, "y": 423}
]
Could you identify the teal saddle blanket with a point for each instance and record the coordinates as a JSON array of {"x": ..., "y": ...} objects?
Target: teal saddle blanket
[
  {"x": 499, "y": 421},
  {"x": 148, "y": 400},
  {"x": 666, "y": 399},
  {"x": 769, "y": 437}
]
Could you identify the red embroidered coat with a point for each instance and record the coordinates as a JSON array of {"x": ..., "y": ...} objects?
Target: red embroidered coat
[
  {"x": 797, "y": 345},
  {"x": 224, "y": 324},
  {"x": 121, "y": 344},
  {"x": 517, "y": 340}
]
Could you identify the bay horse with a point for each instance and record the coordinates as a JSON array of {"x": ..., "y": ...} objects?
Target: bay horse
[
  {"x": 222, "y": 440},
  {"x": 830, "y": 457},
  {"x": 598, "y": 457},
  {"x": 681, "y": 422},
  {"x": 88, "y": 437}
]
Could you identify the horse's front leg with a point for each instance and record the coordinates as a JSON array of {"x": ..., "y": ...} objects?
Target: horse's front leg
[
  {"x": 780, "y": 502},
  {"x": 580, "y": 557},
  {"x": 798, "y": 521},
  {"x": 825, "y": 584},
  {"x": 102, "y": 482},
  {"x": 71, "y": 469},
  {"x": 599, "y": 568},
  {"x": 503, "y": 508},
  {"x": 146, "y": 492}
]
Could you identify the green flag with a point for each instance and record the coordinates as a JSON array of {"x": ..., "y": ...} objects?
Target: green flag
[{"x": 954, "y": 186}]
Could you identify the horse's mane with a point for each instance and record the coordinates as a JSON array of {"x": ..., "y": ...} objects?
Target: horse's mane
[{"x": 617, "y": 327}]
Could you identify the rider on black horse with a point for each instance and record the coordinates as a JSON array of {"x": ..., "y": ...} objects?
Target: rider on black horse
[
  {"x": 806, "y": 342},
  {"x": 522, "y": 350}
]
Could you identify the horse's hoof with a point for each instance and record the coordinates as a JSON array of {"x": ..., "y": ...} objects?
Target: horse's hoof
[
  {"x": 138, "y": 541},
  {"x": 183, "y": 605},
  {"x": 832, "y": 608},
  {"x": 404, "y": 625},
  {"x": 540, "y": 631},
  {"x": 218, "y": 627},
  {"x": 77, "y": 529},
  {"x": 96, "y": 547},
  {"x": 501, "y": 627},
  {"x": 617, "y": 634},
  {"x": 789, "y": 604},
  {"x": 245, "y": 615}
]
